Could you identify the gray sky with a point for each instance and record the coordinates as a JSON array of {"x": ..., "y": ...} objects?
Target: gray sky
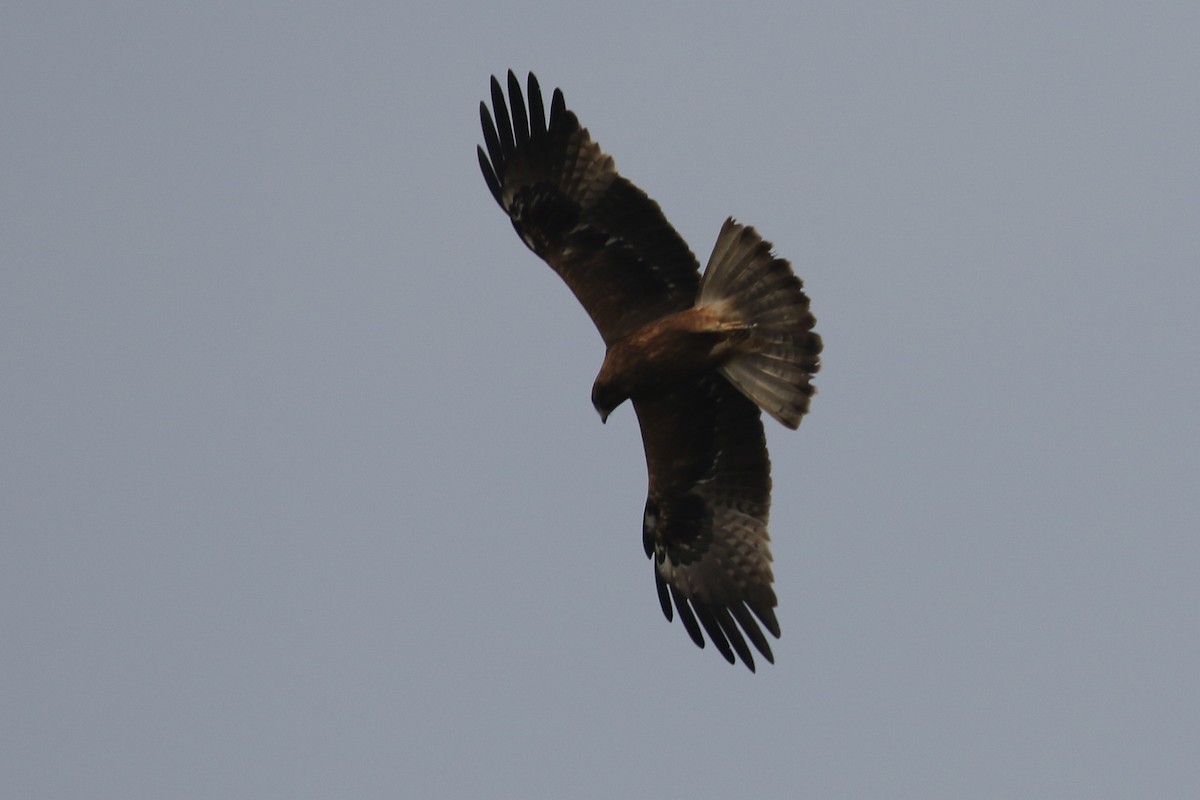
[{"x": 302, "y": 494}]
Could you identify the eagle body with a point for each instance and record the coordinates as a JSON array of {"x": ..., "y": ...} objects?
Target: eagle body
[
  {"x": 699, "y": 357},
  {"x": 670, "y": 350}
]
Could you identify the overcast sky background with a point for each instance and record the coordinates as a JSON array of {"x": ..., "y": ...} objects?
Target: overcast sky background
[{"x": 302, "y": 494}]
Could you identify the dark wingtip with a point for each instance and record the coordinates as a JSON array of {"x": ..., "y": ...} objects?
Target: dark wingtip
[
  {"x": 494, "y": 84},
  {"x": 520, "y": 118},
  {"x": 687, "y": 618},
  {"x": 747, "y": 623},
  {"x": 489, "y": 175},
  {"x": 767, "y": 615},
  {"x": 558, "y": 108},
  {"x": 736, "y": 640},
  {"x": 715, "y": 634},
  {"x": 492, "y": 140},
  {"x": 503, "y": 123},
  {"x": 664, "y": 597},
  {"x": 537, "y": 111},
  {"x": 728, "y": 627}
]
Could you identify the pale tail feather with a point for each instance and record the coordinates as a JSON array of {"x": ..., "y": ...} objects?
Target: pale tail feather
[{"x": 747, "y": 284}]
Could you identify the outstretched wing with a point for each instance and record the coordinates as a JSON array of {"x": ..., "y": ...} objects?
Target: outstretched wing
[
  {"x": 601, "y": 234},
  {"x": 705, "y": 524}
]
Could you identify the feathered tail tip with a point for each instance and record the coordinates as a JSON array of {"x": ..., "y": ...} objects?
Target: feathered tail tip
[{"x": 747, "y": 284}]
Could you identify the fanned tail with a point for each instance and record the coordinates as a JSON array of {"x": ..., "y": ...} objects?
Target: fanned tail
[{"x": 746, "y": 284}]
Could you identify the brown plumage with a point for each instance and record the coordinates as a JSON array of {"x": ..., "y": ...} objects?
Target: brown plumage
[{"x": 698, "y": 357}]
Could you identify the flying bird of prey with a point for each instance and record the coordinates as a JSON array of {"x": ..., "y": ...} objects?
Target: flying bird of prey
[{"x": 697, "y": 356}]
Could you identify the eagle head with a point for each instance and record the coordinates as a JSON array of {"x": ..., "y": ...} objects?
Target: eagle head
[{"x": 606, "y": 397}]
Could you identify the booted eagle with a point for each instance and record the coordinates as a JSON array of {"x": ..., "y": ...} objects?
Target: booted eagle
[{"x": 697, "y": 356}]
